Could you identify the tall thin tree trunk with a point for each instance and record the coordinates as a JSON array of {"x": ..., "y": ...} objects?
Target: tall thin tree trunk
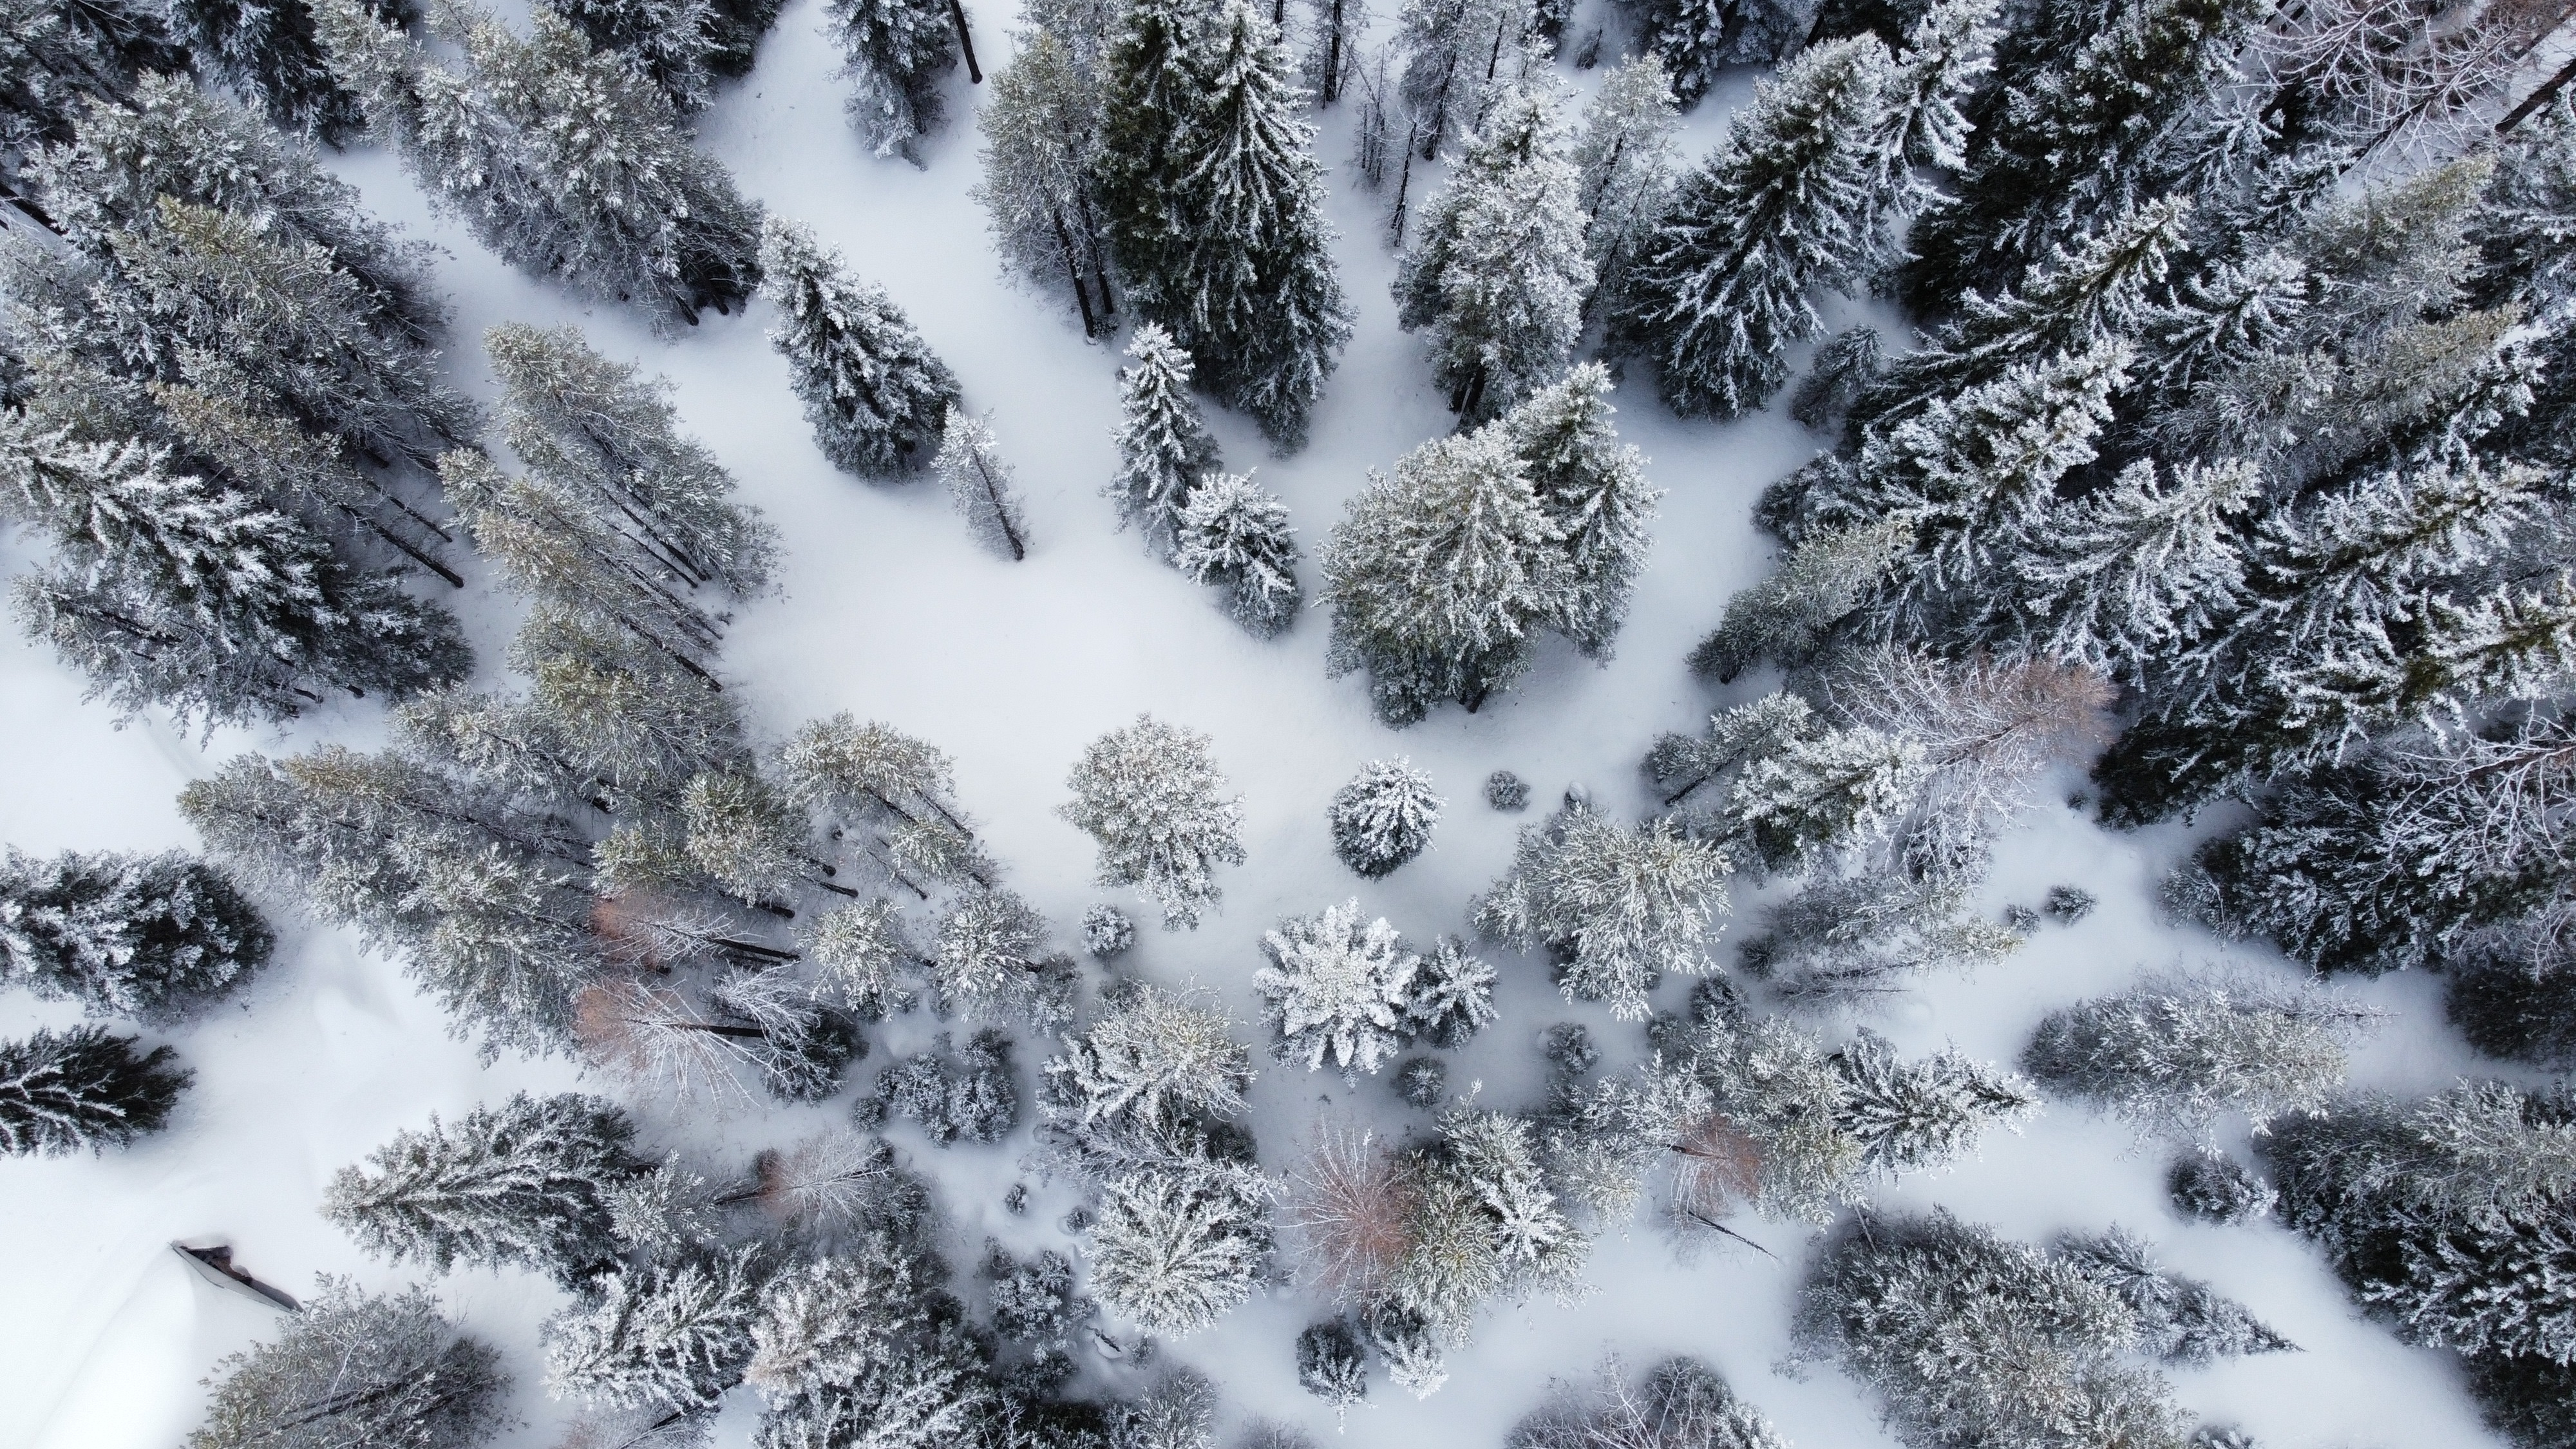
[
  {"x": 1333, "y": 56},
  {"x": 966, "y": 42},
  {"x": 2541, "y": 96},
  {"x": 1001, "y": 510},
  {"x": 1403, "y": 181},
  {"x": 1073, "y": 273}
]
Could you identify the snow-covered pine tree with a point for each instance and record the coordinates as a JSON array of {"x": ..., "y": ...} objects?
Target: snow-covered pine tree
[
  {"x": 1787, "y": 618},
  {"x": 1680, "y": 764},
  {"x": 1697, "y": 39},
  {"x": 1484, "y": 1225},
  {"x": 1793, "y": 199},
  {"x": 990, "y": 956},
  {"x": 1912, "y": 1116},
  {"x": 1498, "y": 271},
  {"x": 1824, "y": 796},
  {"x": 2212, "y": 1188},
  {"x": 149, "y": 936},
  {"x": 592, "y": 428},
  {"x": 863, "y": 1345},
  {"x": 746, "y": 835},
  {"x": 1248, "y": 286},
  {"x": 2086, "y": 130},
  {"x": 1175, "y": 1251},
  {"x": 266, "y": 52},
  {"x": 1331, "y": 1364},
  {"x": 734, "y": 29},
  {"x": 672, "y": 1335},
  {"x": 62, "y": 61},
  {"x": 970, "y": 463},
  {"x": 879, "y": 780},
  {"x": 2180, "y": 1320},
  {"x": 1042, "y": 154},
  {"x": 1946, "y": 57},
  {"x": 874, "y": 392},
  {"x": 1164, "y": 448},
  {"x": 1383, "y": 818},
  {"x": 2048, "y": 1339},
  {"x": 1438, "y": 576},
  {"x": 354, "y": 1369},
  {"x": 1143, "y": 1084},
  {"x": 175, "y": 590},
  {"x": 860, "y": 953},
  {"x": 1593, "y": 487},
  {"x": 1842, "y": 940},
  {"x": 668, "y": 42},
  {"x": 972, "y": 1096},
  {"x": 1234, "y": 533},
  {"x": 82, "y": 1087},
  {"x": 521, "y": 1185},
  {"x": 1623, "y": 158},
  {"x": 2172, "y": 1055},
  {"x": 1337, "y": 990},
  {"x": 1453, "y": 52},
  {"x": 1150, "y": 795},
  {"x": 893, "y": 54},
  {"x": 1149, "y": 83},
  {"x": 1453, "y": 996},
  {"x": 1618, "y": 907},
  {"x": 1680, "y": 1402}
]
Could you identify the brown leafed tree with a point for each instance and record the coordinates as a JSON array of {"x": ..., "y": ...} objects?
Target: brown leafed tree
[
  {"x": 653, "y": 1034},
  {"x": 1351, "y": 1209}
]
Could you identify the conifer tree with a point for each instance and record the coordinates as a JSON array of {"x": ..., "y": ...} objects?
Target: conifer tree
[
  {"x": 990, "y": 946},
  {"x": 1593, "y": 487},
  {"x": 149, "y": 936},
  {"x": 893, "y": 53},
  {"x": 61, "y": 60},
  {"x": 1453, "y": 51},
  {"x": 1174, "y": 1252},
  {"x": 1911, "y": 1116},
  {"x": 1384, "y": 817},
  {"x": 1696, "y": 39},
  {"x": 1149, "y": 83},
  {"x": 874, "y": 392},
  {"x": 670, "y": 42},
  {"x": 1824, "y": 796},
  {"x": 1234, "y": 533},
  {"x": 1681, "y": 1402},
  {"x": 1337, "y": 991},
  {"x": 62, "y": 1091},
  {"x": 522, "y": 1185},
  {"x": 351, "y": 1369},
  {"x": 268, "y": 54},
  {"x": 1044, "y": 166},
  {"x": 1618, "y": 907},
  {"x": 1149, "y": 794},
  {"x": 1624, "y": 159},
  {"x": 1499, "y": 269},
  {"x": 1248, "y": 285},
  {"x": 2180, "y": 1320},
  {"x": 1164, "y": 448},
  {"x": 1786, "y": 618},
  {"x": 979, "y": 483},
  {"x": 675, "y": 1336},
  {"x": 877, "y": 779},
  {"x": 1791, "y": 200},
  {"x": 1438, "y": 576}
]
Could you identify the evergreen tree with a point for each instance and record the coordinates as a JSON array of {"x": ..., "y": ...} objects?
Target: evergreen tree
[
  {"x": 1847, "y": 939},
  {"x": 1453, "y": 52},
  {"x": 1336, "y": 990},
  {"x": 1792, "y": 199},
  {"x": 1234, "y": 533},
  {"x": 62, "y": 59},
  {"x": 149, "y": 936},
  {"x": 893, "y": 52},
  {"x": 1618, "y": 908},
  {"x": 525, "y": 1185},
  {"x": 1331, "y": 1364},
  {"x": 1044, "y": 169},
  {"x": 61, "y": 1091},
  {"x": 2180, "y": 1320},
  {"x": 1384, "y": 817},
  {"x": 1787, "y": 618},
  {"x": 1699, "y": 38},
  {"x": 266, "y": 51},
  {"x": 1908, "y": 1117},
  {"x": 1680, "y": 1404},
  {"x": 989, "y": 954},
  {"x": 668, "y": 42},
  {"x": 676, "y": 1335},
  {"x": 1453, "y": 996},
  {"x": 1485, "y": 1225},
  {"x": 2221, "y": 1190},
  {"x": 979, "y": 483},
  {"x": 1438, "y": 576},
  {"x": 1624, "y": 159},
  {"x": 1824, "y": 796},
  {"x": 1149, "y": 794},
  {"x": 1164, "y": 448},
  {"x": 1175, "y": 1252},
  {"x": 351, "y": 1370},
  {"x": 874, "y": 392},
  {"x": 1593, "y": 487},
  {"x": 745, "y": 835},
  {"x": 877, "y": 779},
  {"x": 1149, "y": 81},
  {"x": 864, "y": 1346},
  {"x": 2172, "y": 1055},
  {"x": 1248, "y": 285},
  {"x": 1842, "y": 369},
  {"x": 1499, "y": 269}
]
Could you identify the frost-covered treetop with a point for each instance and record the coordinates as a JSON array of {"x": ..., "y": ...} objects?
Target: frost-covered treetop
[
  {"x": 1337, "y": 990},
  {"x": 1149, "y": 794},
  {"x": 1150, "y": 1050}
]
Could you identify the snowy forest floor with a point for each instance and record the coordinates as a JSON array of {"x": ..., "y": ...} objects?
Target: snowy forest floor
[{"x": 888, "y": 609}]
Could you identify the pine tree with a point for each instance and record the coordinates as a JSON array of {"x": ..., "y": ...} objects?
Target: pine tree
[
  {"x": 1331, "y": 1365},
  {"x": 1618, "y": 907},
  {"x": 1044, "y": 172},
  {"x": 1248, "y": 285},
  {"x": 63, "y": 60},
  {"x": 1909, "y": 1117},
  {"x": 1485, "y": 1225},
  {"x": 2172, "y": 1055},
  {"x": 1681, "y": 1402},
  {"x": 1438, "y": 576},
  {"x": 2180, "y": 1320},
  {"x": 149, "y": 936},
  {"x": 877, "y": 780},
  {"x": 745, "y": 835},
  {"x": 1842, "y": 940},
  {"x": 1787, "y": 618},
  {"x": 1452, "y": 998},
  {"x": 1384, "y": 817},
  {"x": 266, "y": 51},
  {"x": 2133, "y": 574},
  {"x": 1499, "y": 269},
  {"x": 1947, "y": 54},
  {"x": 1164, "y": 448},
  {"x": 979, "y": 482},
  {"x": 352, "y": 1370},
  {"x": 1699, "y": 38},
  {"x": 1148, "y": 83},
  {"x": 669, "y": 42},
  {"x": 523, "y": 1185},
  {"x": 1593, "y": 487},
  {"x": 1453, "y": 51},
  {"x": 874, "y": 392},
  {"x": 61, "y": 1091},
  {"x": 989, "y": 954},
  {"x": 1624, "y": 159},
  {"x": 1820, "y": 797},
  {"x": 1141, "y": 1084},
  {"x": 893, "y": 52},
  {"x": 1791, "y": 200},
  {"x": 2221, "y": 1190},
  {"x": 1234, "y": 533},
  {"x": 1175, "y": 1252},
  {"x": 1149, "y": 794},
  {"x": 675, "y": 1336},
  {"x": 1336, "y": 990}
]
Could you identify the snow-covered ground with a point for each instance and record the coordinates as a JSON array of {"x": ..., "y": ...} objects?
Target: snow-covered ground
[{"x": 889, "y": 610}]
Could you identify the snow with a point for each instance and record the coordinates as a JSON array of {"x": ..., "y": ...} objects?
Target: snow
[{"x": 888, "y": 608}]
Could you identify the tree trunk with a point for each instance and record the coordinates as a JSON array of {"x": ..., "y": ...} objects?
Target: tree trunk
[
  {"x": 1001, "y": 511},
  {"x": 2540, "y": 96},
  {"x": 1333, "y": 55},
  {"x": 966, "y": 42},
  {"x": 1403, "y": 182},
  {"x": 1073, "y": 273}
]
